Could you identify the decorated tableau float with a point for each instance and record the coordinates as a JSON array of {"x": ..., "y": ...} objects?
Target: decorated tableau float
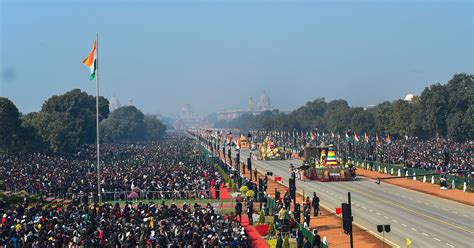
[
  {"x": 269, "y": 150},
  {"x": 243, "y": 142},
  {"x": 321, "y": 164}
]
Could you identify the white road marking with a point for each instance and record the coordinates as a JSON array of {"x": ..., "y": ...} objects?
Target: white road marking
[
  {"x": 378, "y": 213},
  {"x": 404, "y": 225},
  {"x": 386, "y": 217},
  {"x": 437, "y": 239},
  {"x": 364, "y": 207},
  {"x": 396, "y": 221},
  {"x": 425, "y": 234},
  {"x": 371, "y": 210},
  {"x": 414, "y": 229},
  {"x": 445, "y": 209},
  {"x": 450, "y": 245}
]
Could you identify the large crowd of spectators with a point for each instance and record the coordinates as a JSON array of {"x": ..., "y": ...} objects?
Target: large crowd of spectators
[
  {"x": 427, "y": 154},
  {"x": 173, "y": 168},
  {"x": 140, "y": 225}
]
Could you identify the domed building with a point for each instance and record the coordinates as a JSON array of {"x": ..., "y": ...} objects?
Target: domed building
[
  {"x": 409, "y": 97},
  {"x": 114, "y": 103},
  {"x": 264, "y": 102}
]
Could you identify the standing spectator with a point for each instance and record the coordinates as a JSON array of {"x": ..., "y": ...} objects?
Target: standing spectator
[
  {"x": 238, "y": 210},
  {"x": 287, "y": 199},
  {"x": 307, "y": 217},
  {"x": 316, "y": 239},
  {"x": 250, "y": 211},
  {"x": 217, "y": 188},
  {"x": 307, "y": 203},
  {"x": 315, "y": 204},
  {"x": 306, "y": 244},
  {"x": 299, "y": 238},
  {"x": 279, "y": 243}
]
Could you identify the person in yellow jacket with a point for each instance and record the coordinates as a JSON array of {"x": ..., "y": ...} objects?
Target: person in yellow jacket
[{"x": 152, "y": 222}]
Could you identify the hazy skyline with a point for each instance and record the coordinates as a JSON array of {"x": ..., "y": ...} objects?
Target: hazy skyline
[{"x": 213, "y": 55}]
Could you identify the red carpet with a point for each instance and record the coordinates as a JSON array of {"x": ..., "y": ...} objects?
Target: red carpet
[
  {"x": 252, "y": 233},
  {"x": 224, "y": 194}
]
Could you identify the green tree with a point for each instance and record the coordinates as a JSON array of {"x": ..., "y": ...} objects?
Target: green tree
[
  {"x": 56, "y": 132},
  {"x": 362, "y": 121},
  {"x": 10, "y": 125},
  {"x": 125, "y": 124},
  {"x": 338, "y": 116},
  {"x": 382, "y": 114},
  {"x": 154, "y": 128},
  {"x": 30, "y": 137},
  {"x": 80, "y": 108}
]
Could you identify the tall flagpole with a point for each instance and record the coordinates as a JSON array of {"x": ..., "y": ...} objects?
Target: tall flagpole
[{"x": 97, "y": 114}]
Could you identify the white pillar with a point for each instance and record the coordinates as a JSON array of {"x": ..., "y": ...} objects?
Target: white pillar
[
  {"x": 414, "y": 176},
  {"x": 391, "y": 171},
  {"x": 424, "y": 179},
  {"x": 464, "y": 187},
  {"x": 399, "y": 173},
  {"x": 406, "y": 173},
  {"x": 453, "y": 184},
  {"x": 385, "y": 169},
  {"x": 432, "y": 180}
]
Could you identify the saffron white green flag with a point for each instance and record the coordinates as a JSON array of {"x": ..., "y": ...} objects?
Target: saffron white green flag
[{"x": 91, "y": 61}]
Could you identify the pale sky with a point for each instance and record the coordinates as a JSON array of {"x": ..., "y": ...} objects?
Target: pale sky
[{"x": 213, "y": 55}]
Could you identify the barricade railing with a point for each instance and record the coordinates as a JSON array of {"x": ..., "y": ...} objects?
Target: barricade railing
[
  {"x": 389, "y": 168},
  {"x": 156, "y": 195},
  {"x": 127, "y": 195}
]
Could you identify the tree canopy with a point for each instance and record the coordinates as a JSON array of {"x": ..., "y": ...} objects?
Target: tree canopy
[
  {"x": 10, "y": 125},
  {"x": 128, "y": 124},
  {"x": 68, "y": 121},
  {"x": 444, "y": 110}
]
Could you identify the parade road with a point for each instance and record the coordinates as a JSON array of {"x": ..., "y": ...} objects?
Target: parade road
[{"x": 426, "y": 220}]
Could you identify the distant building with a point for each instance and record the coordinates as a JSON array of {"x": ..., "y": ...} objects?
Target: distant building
[
  {"x": 188, "y": 119},
  {"x": 114, "y": 103},
  {"x": 264, "y": 104},
  {"x": 409, "y": 97},
  {"x": 250, "y": 105}
]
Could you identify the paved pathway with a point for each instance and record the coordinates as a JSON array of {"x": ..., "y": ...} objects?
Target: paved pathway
[{"x": 427, "y": 220}]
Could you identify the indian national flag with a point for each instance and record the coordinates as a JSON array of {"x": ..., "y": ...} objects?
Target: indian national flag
[
  {"x": 91, "y": 61},
  {"x": 356, "y": 138}
]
